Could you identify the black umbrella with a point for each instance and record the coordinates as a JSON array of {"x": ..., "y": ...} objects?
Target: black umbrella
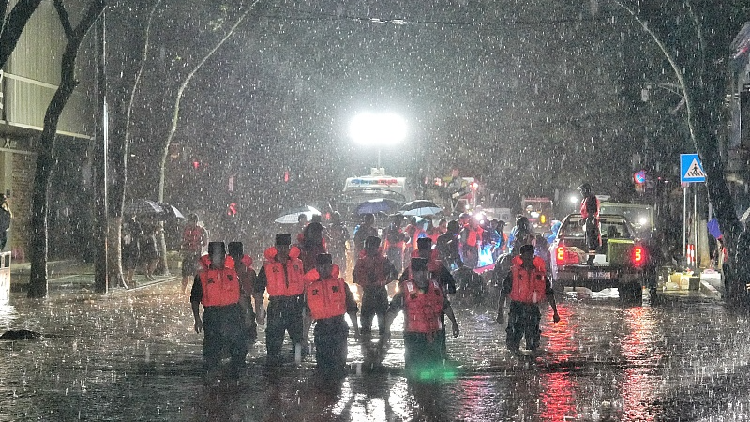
[
  {"x": 143, "y": 207},
  {"x": 420, "y": 208}
]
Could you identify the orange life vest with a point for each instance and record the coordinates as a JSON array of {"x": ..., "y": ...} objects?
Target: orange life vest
[
  {"x": 282, "y": 281},
  {"x": 422, "y": 309},
  {"x": 529, "y": 285},
  {"x": 221, "y": 286},
  {"x": 326, "y": 298}
]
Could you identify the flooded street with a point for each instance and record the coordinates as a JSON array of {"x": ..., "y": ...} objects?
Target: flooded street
[{"x": 134, "y": 356}]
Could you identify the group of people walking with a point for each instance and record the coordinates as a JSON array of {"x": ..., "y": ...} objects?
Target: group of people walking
[{"x": 304, "y": 283}]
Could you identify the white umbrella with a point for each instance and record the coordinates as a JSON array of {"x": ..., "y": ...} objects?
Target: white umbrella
[
  {"x": 420, "y": 208},
  {"x": 292, "y": 216},
  {"x": 745, "y": 215}
]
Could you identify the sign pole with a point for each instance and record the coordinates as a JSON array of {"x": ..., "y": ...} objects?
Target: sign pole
[
  {"x": 684, "y": 221},
  {"x": 695, "y": 225}
]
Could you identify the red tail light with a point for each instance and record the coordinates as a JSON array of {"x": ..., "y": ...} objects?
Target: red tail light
[
  {"x": 565, "y": 256},
  {"x": 638, "y": 255}
]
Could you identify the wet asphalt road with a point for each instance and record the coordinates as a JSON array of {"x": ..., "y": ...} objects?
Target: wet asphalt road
[{"x": 134, "y": 356}]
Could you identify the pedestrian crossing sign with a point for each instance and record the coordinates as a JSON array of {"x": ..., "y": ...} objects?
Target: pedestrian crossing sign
[{"x": 691, "y": 169}]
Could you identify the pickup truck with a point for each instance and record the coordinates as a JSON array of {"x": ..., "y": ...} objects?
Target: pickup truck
[{"x": 620, "y": 263}]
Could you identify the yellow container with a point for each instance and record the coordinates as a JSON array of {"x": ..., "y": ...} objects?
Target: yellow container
[
  {"x": 675, "y": 278},
  {"x": 618, "y": 251}
]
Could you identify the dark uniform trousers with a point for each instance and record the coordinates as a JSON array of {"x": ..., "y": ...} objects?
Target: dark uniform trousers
[
  {"x": 374, "y": 303},
  {"x": 223, "y": 332},
  {"x": 284, "y": 314},
  {"x": 330, "y": 344},
  {"x": 422, "y": 351},
  {"x": 523, "y": 320}
]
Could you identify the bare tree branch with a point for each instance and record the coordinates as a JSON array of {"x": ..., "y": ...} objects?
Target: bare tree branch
[{"x": 181, "y": 90}]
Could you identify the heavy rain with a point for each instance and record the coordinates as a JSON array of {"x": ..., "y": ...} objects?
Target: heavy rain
[{"x": 542, "y": 207}]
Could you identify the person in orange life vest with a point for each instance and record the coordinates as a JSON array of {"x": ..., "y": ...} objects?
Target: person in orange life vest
[
  {"x": 434, "y": 266},
  {"x": 217, "y": 287},
  {"x": 423, "y": 302},
  {"x": 194, "y": 239},
  {"x": 394, "y": 240},
  {"x": 526, "y": 285},
  {"x": 437, "y": 272},
  {"x": 243, "y": 266},
  {"x": 328, "y": 298},
  {"x": 471, "y": 241},
  {"x": 282, "y": 278},
  {"x": 373, "y": 272},
  {"x": 590, "y": 220}
]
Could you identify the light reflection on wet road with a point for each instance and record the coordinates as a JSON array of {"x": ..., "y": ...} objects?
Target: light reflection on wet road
[{"x": 134, "y": 356}]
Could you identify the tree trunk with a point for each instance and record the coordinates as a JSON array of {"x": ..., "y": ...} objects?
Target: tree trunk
[
  {"x": 45, "y": 159},
  {"x": 175, "y": 118},
  {"x": 119, "y": 153}
]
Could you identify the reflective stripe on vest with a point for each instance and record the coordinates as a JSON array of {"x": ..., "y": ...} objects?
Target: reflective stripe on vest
[
  {"x": 287, "y": 281},
  {"x": 422, "y": 309},
  {"x": 529, "y": 286},
  {"x": 220, "y": 287},
  {"x": 326, "y": 298}
]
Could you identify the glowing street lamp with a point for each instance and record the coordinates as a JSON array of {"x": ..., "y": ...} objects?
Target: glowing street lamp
[{"x": 377, "y": 129}]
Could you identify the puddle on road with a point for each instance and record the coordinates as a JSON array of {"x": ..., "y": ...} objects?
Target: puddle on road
[{"x": 135, "y": 354}]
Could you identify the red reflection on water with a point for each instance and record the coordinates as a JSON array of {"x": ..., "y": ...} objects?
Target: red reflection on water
[
  {"x": 557, "y": 385},
  {"x": 639, "y": 382}
]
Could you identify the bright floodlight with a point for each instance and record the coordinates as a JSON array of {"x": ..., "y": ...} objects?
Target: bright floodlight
[
  {"x": 573, "y": 199},
  {"x": 377, "y": 129}
]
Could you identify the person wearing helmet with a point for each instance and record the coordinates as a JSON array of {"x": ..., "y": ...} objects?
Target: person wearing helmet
[{"x": 590, "y": 219}]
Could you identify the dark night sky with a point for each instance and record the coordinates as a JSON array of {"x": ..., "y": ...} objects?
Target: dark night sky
[{"x": 530, "y": 96}]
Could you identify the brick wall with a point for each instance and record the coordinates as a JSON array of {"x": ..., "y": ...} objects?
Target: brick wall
[{"x": 22, "y": 185}]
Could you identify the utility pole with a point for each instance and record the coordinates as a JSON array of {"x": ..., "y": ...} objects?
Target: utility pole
[{"x": 101, "y": 273}]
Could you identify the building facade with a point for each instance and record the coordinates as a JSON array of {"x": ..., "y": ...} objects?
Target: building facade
[{"x": 27, "y": 84}]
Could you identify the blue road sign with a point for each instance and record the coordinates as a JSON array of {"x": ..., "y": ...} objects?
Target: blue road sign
[{"x": 691, "y": 169}]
